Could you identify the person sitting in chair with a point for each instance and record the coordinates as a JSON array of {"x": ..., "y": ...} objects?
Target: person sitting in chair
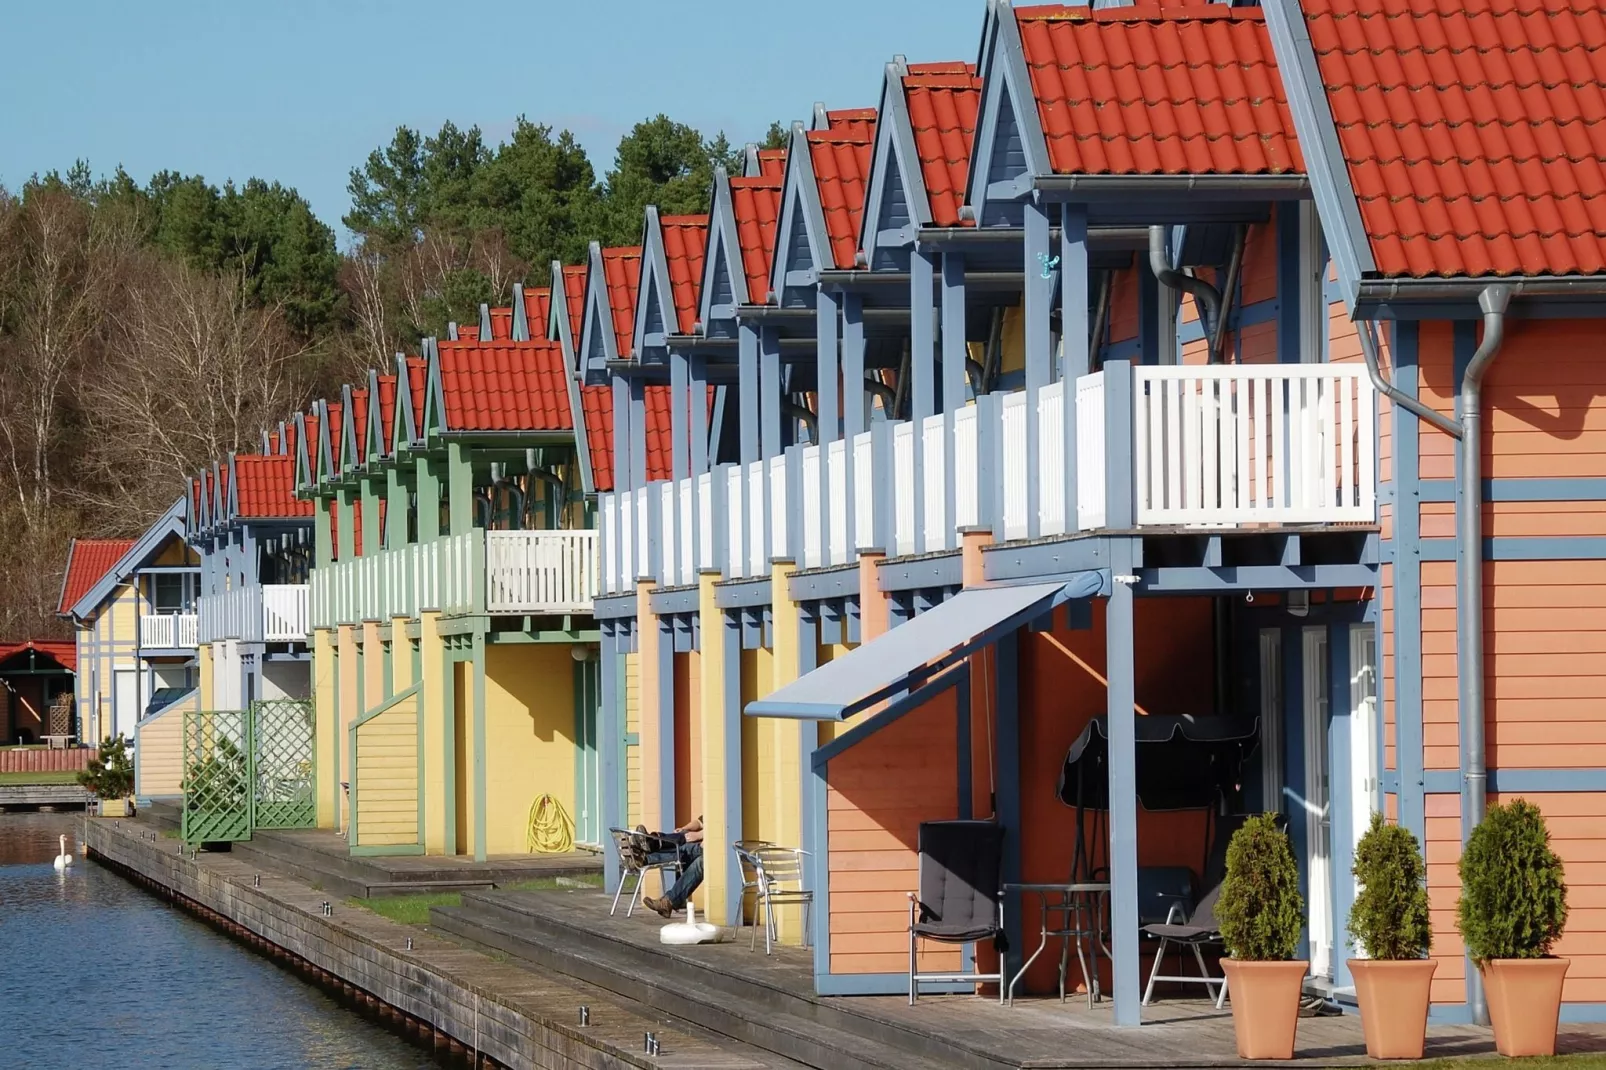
[{"x": 690, "y": 839}]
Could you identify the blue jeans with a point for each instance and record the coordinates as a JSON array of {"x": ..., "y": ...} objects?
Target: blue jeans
[{"x": 691, "y": 873}]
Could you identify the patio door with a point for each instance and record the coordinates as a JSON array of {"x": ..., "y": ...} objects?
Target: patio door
[
  {"x": 587, "y": 755},
  {"x": 1318, "y": 807},
  {"x": 125, "y": 701}
]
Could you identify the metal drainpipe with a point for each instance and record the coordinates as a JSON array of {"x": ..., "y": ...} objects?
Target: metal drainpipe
[
  {"x": 1493, "y": 302},
  {"x": 1206, "y": 295}
]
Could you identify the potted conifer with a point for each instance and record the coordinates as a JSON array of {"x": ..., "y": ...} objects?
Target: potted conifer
[
  {"x": 1261, "y": 914},
  {"x": 110, "y": 777},
  {"x": 1389, "y": 921},
  {"x": 1512, "y": 910}
]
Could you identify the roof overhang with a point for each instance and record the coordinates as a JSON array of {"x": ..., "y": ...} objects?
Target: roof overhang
[{"x": 1548, "y": 297}]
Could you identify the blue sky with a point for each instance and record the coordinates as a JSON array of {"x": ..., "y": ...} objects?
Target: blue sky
[{"x": 301, "y": 90}]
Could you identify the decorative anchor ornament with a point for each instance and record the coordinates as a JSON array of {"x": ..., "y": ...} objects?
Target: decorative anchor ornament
[{"x": 1050, "y": 265}]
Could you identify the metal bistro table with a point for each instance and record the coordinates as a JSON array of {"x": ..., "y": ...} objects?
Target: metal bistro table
[{"x": 1082, "y": 907}]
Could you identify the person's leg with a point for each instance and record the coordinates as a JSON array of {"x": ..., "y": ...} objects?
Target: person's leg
[{"x": 691, "y": 876}]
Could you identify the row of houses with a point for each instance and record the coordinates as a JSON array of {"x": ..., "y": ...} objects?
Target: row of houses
[{"x": 1182, "y": 409}]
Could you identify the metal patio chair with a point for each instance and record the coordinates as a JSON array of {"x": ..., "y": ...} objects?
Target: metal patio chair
[
  {"x": 747, "y": 868},
  {"x": 635, "y": 860},
  {"x": 777, "y": 875},
  {"x": 1187, "y": 923},
  {"x": 961, "y": 896}
]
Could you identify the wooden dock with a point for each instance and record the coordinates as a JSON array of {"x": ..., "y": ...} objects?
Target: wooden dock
[
  {"x": 31, "y": 795},
  {"x": 768, "y": 1002}
]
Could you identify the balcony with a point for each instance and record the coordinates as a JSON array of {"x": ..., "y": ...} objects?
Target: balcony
[
  {"x": 266, "y": 613},
  {"x": 169, "y": 631},
  {"x": 480, "y": 572},
  {"x": 1192, "y": 447}
]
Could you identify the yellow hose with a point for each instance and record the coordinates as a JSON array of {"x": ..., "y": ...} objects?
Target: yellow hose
[{"x": 551, "y": 830}]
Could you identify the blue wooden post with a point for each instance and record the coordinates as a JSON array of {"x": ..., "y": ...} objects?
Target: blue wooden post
[
  {"x": 1119, "y": 499},
  {"x": 990, "y": 463},
  {"x": 808, "y": 656},
  {"x": 697, "y": 368},
  {"x": 1006, "y": 693},
  {"x": 1037, "y": 298},
  {"x": 922, "y": 357},
  {"x": 747, "y": 387},
  {"x": 769, "y": 421},
  {"x": 852, "y": 398},
  {"x": 621, "y": 435},
  {"x": 679, "y": 458},
  {"x": 883, "y": 476},
  {"x": 612, "y": 735},
  {"x": 1121, "y": 667},
  {"x": 731, "y": 710},
  {"x": 666, "y": 714},
  {"x": 1074, "y": 334},
  {"x": 1340, "y": 797},
  {"x": 826, "y": 371},
  {"x": 638, "y": 432},
  {"x": 953, "y": 384}
]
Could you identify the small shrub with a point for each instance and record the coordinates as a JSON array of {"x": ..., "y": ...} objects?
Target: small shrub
[
  {"x": 1261, "y": 912},
  {"x": 1513, "y": 896},
  {"x": 1389, "y": 918},
  {"x": 111, "y": 772}
]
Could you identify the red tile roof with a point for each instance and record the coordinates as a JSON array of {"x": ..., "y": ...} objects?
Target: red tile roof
[
  {"x": 501, "y": 324},
  {"x": 685, "y": 246},
  {"x": 1178, "y": 88},
  {"x": 267, "y": 487},
  {"x": 1473, "y": 132},
  {"x": 943, "y": 99},
  {"x": 537, "y": 306},
  {"x": 756, "y": 202},
  {"x": 417, "y": 381},
  {"x": 88, "y": 561},
  {"x": 772, "y": 163},
  {"x": 621, "y": 273},
  {"x": 852, "y": 121},
  {"x": 333, "y": 433},
  {"x": 359, "y": 413},
  {"x": 64, "y": 651},
  {"x": 467, "y": 333},
  {"x": 312, "y": 444},
  {"x": 841, "y": 160},
  {"x": 387, "y": 411},
  {"x": 574, "y": 295},
  {"x": 507, "y": 386},
  {"x": 596, "y": 403}
]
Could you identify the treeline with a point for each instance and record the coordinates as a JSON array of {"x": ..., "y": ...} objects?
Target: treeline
[{"x": 146, "y": 330}]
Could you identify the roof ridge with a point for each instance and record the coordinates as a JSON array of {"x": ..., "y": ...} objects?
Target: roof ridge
[{"x": 1139, "y": 11}]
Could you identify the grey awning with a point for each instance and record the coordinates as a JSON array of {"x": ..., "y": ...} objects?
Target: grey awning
[{"x": 911, "y": 653}]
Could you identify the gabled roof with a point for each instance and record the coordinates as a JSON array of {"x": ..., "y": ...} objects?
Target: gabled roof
[
  {"x": 568, "y": 312},
  {"x": 381, "y": 416},
  {"x": 1471, "y": 133},
  {"x": 537, "y": 302},
  {"x": 942, "y": 99},
  {"x": 840, "y": 158},
  {"x": 501, "y": 324},
  {"x": 466, "y": 333},
  {"x": 610, "y": 306},
  {"x": 504, "y": 386},
  {"x": 63, "y": 651},
  {"x": 770, "y": 163},
  {"x": 845, "y": 120},
  {"x": 306, "y": 446},
  {"x": 597, "y": 405},
  {"x": 822, "y": 203},
  {"x": 755, "y": 206},
  {"x": 673, "y": 248},
  {"x": 264, "y": 488},
  {"x": 409, "y": 424},
  {"x": 1152, "y": 89},
  {"x": 87, "y": 561},
  {"x": 685, "y": 245},
  {"x": 170, "y": 525},
  {"x": 353, "y": 445},
  {"x": 330, "y": 424}
]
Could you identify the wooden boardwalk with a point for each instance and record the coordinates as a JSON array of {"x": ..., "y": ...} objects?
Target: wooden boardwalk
[{"x": 1034, "y": 1034}]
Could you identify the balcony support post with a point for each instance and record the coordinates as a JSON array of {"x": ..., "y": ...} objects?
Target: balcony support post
[
  {"x": 345, "y": 530},
  {"x": 697, "y": 371},
  {"x": 429, "y": 499},
  {"x": 1074, "y": 343},
  {"x": 747, "y": 384},
  {"x": 460, "y": 488},
  {"x": 1037, "y": 296},
  {"x": 954, "y": 355},
  {"x": 637, "y": 452},
  {"x": 921, "y": 388},
  {"x": 828, "y": 406},
  {"x": 769, "y": 396},
  {"x": 852, "y": 399},
  {"x": 621, "y": 436}
]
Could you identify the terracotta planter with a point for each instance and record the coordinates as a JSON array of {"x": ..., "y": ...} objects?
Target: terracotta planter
[
  {"x": 114, "y": 808},
  {"x": 1524, "y": 1003},
  {"x": 1265, "y": 1006},
  {"x": 1394, "y": 1005}
]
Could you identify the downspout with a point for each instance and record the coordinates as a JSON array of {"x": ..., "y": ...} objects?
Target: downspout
[
  {"x": 1206, "y": 295},
  {"x": 1493, "y": 302}
]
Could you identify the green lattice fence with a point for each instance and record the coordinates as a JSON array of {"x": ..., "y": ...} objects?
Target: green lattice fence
[
  {"x": 283, "y": 765},
  {"x": 217, "y": 776}
]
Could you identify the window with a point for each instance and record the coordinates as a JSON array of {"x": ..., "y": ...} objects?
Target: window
[{"x": 172, "y": 592}]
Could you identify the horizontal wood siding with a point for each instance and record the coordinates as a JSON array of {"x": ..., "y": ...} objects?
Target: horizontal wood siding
[
  {"x": 160, "y": 754},
  {"x": 632, "y": 727},
  {"x": 1442, "y": 850},
  {"x": 387, "y": 776},
  {"x": 879, "y": 793}
]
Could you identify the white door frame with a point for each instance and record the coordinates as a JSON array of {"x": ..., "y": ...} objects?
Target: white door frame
[{"x": 1318, "y": 804}]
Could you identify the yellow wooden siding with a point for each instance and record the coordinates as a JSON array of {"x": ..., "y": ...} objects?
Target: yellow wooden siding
[
  {"x": 529, "y": 738},
  {"x": 121, "y": 614},
  {"x": 632, "y": 726},
  {"x": 387, "y": 776},
  {"x": 159, "y": 757}
]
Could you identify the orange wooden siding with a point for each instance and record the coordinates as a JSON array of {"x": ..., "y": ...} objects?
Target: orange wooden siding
[
  {"x": 1442, "y": 850},
  {"x": 688, "y": 740},
  {"x": 879, "y": 792}
]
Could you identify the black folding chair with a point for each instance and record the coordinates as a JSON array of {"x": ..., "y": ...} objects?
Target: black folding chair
[
  {"x": 1192, "y": 925},
  {"x": 961, "y": 895}
]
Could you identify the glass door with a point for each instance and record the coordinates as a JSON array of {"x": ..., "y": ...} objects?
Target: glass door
[{"x": 1318, "y": 809}]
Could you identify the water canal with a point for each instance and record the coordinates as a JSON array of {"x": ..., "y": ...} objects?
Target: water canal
[{"x": 97, "y": 972}]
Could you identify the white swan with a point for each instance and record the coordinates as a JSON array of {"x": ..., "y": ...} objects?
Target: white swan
[
  {"x": 689, "y": 931},
  {"x": 64, "y": 859}
]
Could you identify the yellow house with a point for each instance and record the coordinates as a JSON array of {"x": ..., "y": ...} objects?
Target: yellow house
[{"x": 132, "y": 606}]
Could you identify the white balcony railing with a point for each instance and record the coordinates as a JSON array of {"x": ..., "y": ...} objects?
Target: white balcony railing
[
  {"x": 1218, "y": 446},
  {"x": 473, "y": 573},
  {"x": 169, "y": 631},
  {"x": 540, "y": 571},
  {"x": 285, "y": 612}
]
